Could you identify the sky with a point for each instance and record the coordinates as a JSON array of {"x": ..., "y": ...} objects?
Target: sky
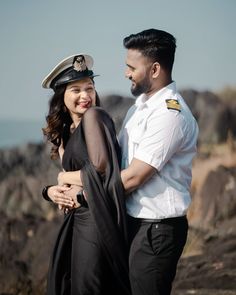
[{"x": 36, "y": 35}]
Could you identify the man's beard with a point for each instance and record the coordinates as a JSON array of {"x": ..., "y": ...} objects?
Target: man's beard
[{"x": 141, "y": 87}]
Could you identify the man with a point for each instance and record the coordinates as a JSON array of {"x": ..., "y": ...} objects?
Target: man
[{"x": 158, "y": 140}]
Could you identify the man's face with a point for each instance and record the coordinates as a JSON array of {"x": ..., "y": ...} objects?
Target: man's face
[{"x": 138, "y": 71}]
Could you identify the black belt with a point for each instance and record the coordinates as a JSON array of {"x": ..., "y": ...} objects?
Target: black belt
[{"x": 171, "y": 219}]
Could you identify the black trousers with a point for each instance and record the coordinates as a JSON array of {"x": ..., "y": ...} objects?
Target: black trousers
[{"x": 155, "y": 248}]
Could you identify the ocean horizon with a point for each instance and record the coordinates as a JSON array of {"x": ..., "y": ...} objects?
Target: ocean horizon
[{"x": 14, "y": 132}]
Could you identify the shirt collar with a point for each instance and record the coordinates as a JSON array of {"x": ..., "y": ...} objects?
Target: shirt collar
[{"x": 142, "y": 101}]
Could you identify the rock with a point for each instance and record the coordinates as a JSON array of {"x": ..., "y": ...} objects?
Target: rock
[
  {"x": 216, "y": 201},
  {"x": 25, "y": 171},
  {"x": 26, "y": 245},
  {"x": 213, "y": 116},
  {"x": 211, "y": 272},
  {"x": 117, "y": 106}
]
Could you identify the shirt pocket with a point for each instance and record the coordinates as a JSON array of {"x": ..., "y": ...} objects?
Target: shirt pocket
[{"x": 138, "y": 131}]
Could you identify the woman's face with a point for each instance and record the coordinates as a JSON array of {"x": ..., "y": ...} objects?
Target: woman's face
[{"x": 79, "y": 96}]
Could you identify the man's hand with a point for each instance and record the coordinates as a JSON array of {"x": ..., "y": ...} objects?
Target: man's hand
[{"x": 72, "y": 194}]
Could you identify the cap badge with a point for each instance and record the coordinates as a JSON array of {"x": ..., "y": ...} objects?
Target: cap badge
[{"x": 79, "y": 63}]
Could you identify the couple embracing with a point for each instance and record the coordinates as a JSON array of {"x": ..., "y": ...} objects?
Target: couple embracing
[{"x": 125, "y": 200}]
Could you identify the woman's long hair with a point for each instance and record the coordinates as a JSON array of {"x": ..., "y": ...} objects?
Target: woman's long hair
[{"x": 59, "y": 121}]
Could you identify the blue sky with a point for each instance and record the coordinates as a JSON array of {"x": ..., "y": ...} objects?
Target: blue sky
[{"x": 36, "y": 35}]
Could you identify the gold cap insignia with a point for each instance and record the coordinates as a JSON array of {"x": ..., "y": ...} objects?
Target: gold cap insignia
[
  {"x": 173, "y": 104},
  {"x": 79, "y": 63}
]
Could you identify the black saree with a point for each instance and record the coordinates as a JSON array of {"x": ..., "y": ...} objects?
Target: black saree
[{"x": 93, "y": 149}]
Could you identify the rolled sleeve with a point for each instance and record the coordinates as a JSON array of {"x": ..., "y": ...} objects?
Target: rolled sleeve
[{"x": 147, "y": 158}]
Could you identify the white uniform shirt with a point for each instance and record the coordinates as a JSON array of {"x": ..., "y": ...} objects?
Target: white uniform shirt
[{"x": 165, "y": 139}]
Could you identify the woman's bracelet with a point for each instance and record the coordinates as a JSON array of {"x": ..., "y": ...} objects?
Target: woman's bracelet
[{"x": 45, "y": 193}]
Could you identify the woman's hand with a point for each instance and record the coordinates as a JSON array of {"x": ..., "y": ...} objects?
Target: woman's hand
[{"x": 58, "y": 195}]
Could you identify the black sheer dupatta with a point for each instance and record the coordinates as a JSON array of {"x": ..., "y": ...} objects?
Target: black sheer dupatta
[{"x": 104, "y": 190}]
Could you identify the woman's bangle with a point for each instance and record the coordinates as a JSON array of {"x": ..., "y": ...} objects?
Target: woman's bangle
[{"x": 45, "y": 193}]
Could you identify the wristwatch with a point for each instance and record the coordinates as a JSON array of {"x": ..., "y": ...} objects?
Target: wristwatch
[{"x": 81, "y": 199}]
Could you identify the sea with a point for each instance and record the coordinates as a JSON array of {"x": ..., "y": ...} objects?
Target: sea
[{"x": 15, "y": 133}]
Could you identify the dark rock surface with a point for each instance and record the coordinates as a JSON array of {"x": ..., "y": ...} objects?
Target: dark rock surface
[
  {"x": 24, "y": 172},
  {"x": 26, "y": 244}
]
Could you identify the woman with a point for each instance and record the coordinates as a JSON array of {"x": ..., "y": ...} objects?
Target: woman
[{"x": 90, "y": 254}]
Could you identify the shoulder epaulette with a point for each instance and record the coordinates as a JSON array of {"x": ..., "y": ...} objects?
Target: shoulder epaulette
[{"x": 173, "y": 104}]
